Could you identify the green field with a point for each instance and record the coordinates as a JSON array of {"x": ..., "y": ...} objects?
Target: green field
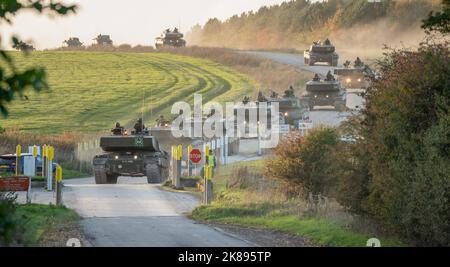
[{"x": 90, "y": 91}]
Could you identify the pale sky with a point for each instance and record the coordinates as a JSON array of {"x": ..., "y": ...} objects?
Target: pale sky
[{"x": 131, "y": 21}]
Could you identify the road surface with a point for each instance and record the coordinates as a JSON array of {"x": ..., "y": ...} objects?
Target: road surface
[{"x": 134, "y": 213}]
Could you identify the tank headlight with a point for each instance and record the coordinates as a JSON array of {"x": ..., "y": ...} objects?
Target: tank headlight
[
  {"x": 286, "y": 114},
  {"x": 135, "y": 157},
  {"x": 315, "y": 96},
  {"x": 116, "y": 157},
  {"x": 326, "y": 96},
  {"x": 359, "y": 80},
  {"x": 126, "y": 132},
  {"x": 349, "y": 80}
]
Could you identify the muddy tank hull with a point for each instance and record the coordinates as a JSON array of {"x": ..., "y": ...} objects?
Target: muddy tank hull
[{"x": 312, "y": 58}]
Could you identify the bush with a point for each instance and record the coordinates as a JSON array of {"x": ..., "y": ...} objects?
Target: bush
[
  {"x": 7, "y": 218},
  {"x": 309, "y": 162},
  {"x": 406, "y": 137}
]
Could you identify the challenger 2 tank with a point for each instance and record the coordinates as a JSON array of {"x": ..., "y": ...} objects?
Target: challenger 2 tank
[
  {"x": 327, "y": 92},
  {"x": 318, "y": 52},
  {"x": 103, "y": 40},
  {"x": 170, "y": 38},
  {"x": 135, "y": 155},
  {"x": 356, "y": 76}
]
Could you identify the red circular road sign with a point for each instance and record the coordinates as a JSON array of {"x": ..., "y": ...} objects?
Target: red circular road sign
[{"x": 195, "y": 156}]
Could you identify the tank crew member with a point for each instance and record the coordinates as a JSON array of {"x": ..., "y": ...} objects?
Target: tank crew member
[
  {"x": 347, "y": 64},
  {"x": 261, "y": 97},
  {"x": 139, "y": 126},
  {"x": 327, "y": 42},
  {"x": 161, "y": 121},
  {"x": 118, "y": 130},
  {"x": 330, "y": 77},
  {"x": 273, "y": 94},
  {"x": 289, "y": 92},
  {"x": 246, "y": 100},
  {"x": 358, "y": 62},
  {"x": 316, "y": 78}
]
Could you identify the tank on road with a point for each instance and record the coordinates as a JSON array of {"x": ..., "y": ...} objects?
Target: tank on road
[
  {"x": 356, "y": 76},
  {"x": 321, "y": 52},
  {"x": 135, "y": 155},
  {"x": 327, "y": 92}
]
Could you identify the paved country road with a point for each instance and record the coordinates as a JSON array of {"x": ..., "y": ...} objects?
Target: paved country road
[{"x": 134, "y": 213}]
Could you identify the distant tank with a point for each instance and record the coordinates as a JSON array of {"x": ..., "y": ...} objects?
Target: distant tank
[
  {"x": 133, "y": 155},
  {"x": 291, "y": 108},
  {"x": 73, "y": 42},
  {"x": 356, "y": 76},
  {"x": 321, "y": 53},
  {"x": 22, "y": 46},
  {"x": 170, "y": 38},
  {"x": 104, "y": 40},
  {"x": 327, "y": 92}
]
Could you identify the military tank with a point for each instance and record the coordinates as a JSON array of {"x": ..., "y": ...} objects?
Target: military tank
[
  {"x": 318, "y": 52},
  {"x": 103, "y": 40},
  {"x": 73, "y": 42},
  {"x": 356, "y": 76},
  {"x": 134, "y": 155},
  {"x": 291, "y": 108},
  {"x": 327, "y": 92},
  {"x": 170, "y": 38}
]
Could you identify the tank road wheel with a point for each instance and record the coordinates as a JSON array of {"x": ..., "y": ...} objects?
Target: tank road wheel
[
  {"x": 111, "y": 179},
  {"x": 100, "y": 175},
  {"x": 153, "y": 173},
  {"x": 340, "y": 106}
]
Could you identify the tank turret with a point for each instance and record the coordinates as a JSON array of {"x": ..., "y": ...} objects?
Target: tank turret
[
  {"x": 170, "y": 38},
  {"x": 321, "y": 52},
  {"x": 73, "y": 42},
  {"x": 103, "y": 40}
]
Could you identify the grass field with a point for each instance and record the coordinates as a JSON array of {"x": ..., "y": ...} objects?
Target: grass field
[{"x": 90, "y": 91}]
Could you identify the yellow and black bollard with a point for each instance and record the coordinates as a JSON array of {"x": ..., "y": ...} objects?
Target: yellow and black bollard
[
  {"x": 18, "y": 161},
  {"x": 59, "y": 176}
]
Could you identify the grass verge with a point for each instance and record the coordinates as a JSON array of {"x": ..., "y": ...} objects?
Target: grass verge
[
  {"x": 244, "y": 198},
  {"x": 36, "y": 220}
]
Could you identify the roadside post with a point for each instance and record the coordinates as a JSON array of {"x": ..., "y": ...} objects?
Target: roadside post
[
  {"x": 189, "y": 163},
  {"x": 176, "y": 166},
  {"x": 207, "y": 184},
  {"x": 44, "y": 161},
  {"x": 59, "y": 185},
  {"x": 34, "y": 152},
  {"x": 179, "y": 156},
  {"x": 50, "y": 156},
  {"x": 18, "y": 163}
]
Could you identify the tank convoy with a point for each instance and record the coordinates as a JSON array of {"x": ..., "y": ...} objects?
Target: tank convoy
[
  {"x": 103, "y": 40},
  {"x": 136, "y": 154},
  {"x": 356, "y": 76},
  {"x": 326, "y": 92},
  {"x": 170, "y": 38},
  {"x": 321, "y": 52}
]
